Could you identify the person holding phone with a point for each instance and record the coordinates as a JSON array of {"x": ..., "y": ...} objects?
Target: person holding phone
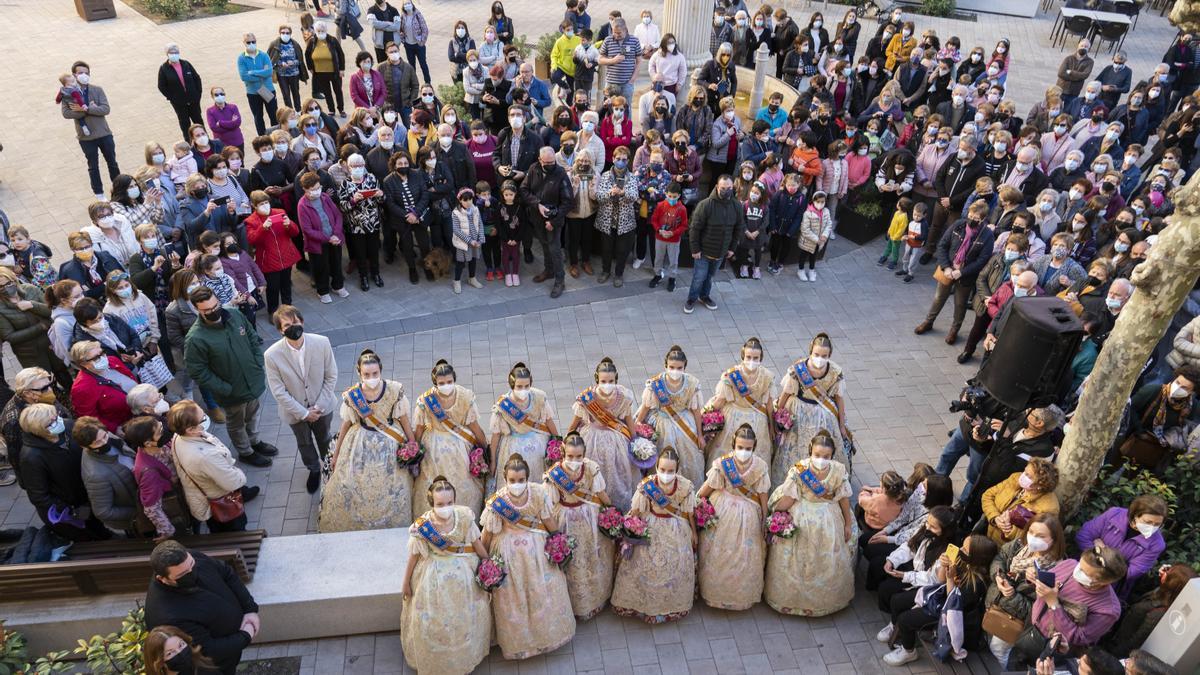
[
  {"x": 914, "y": 565},
  {"x": 1015, "y": 569},
  {"x": 360, "y": 198},
  {"x": 1010, "y": 505}
]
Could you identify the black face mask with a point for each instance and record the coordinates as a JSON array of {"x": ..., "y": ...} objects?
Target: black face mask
[
  {"x": 1097, "y": 118},
  {"x": 213, "y": 317},
  {"x": 582, "y": 106},
  {"x": 182, "y": 662},
  {"x": 402, "y": 170},
  {"x": 662, "y": 110},
  {"x": 293, "y": 332},
  {"x": 201, "y": 193},
  {"x": 231, "y": 249},
  {"x": 725, "y": 193},
  {"x": 568, "y": 148},
  {"x": 681, "y": 147},
  {"x": 1093, "y": 281},
  {"x": 187, "y": 581},
  {"x": 773, "y": 108}
]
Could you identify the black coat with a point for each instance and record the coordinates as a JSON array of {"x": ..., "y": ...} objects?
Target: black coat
[
  {"x": 179, "y": 93},
  {"x": 335, "y": 49},
  {"x": 393, "y": 189},
  {"x": 1003, "y": 459},
  {"x": 716, "y": 226},
  {"x": 377, "y": 162},
  {"x": 977, "y": 255},
  {"x": 211, "y": 612},
  {"x": 124, "y": 333},
  {"x": 527, "y": 153},
  {"x": 50, "y": 472},
  {"x": 550, "y": 188},
  {"x": 75, "y": 271},
  {"x": 946, "y": 110},
  {"x": 459, "y": 161},
  {"x": 956, "y": 181}
]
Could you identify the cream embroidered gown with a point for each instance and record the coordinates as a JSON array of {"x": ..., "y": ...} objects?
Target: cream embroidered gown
[
  {"x": 810, "y": 417},
  {"x": 369, "y": 489},
  {"x": 590, "y": 572},
  {"x": 446, "y": 627},
  {"x": 657, "y": 584},
  {"x": 739, "y": 411},
  {"x": 522, "y": 438},
  {"x": 734, "y": 550},
  {"x": 446, "y": 452},
  {"x": 532, "y": 609},
  {"x": 812, "y": 574},
  {"x": 684, "y": 398},
  {"x": 609, "y": 447}
]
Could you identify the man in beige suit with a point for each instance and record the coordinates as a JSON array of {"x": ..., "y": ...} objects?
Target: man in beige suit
[{"x": 301, "y": 375}]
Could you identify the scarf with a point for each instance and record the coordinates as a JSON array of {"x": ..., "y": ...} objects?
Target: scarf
[
  {"x": 1025, "y": 558},
  {"x": 1183, "y": 407},
  {"x": 960, "y": 256}
]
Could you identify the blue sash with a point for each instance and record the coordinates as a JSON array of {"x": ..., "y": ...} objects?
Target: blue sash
[
  {"x": 430, "y": 534},
  {"x": 509, "y": 408},
  {"x": 658, "y": 497},
  {"x": 739, "y": 382},
  {"x": 510, "y": 513},
  {"x": 359, "y": 400},
  {"x": 560, "y": 478},
  {"x": 431, "y": 402},
  {"x": 735, "y": 477},
  {"x": 811, "y": 482},
  {"x": 802, "y": 374},
  {"x": 439, "y": 413},
  {"x": 660, "y": 391}
]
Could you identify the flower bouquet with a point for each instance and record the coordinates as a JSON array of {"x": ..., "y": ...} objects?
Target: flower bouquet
[
  {"x": 705, "y": 514},
  {"x": 643, "y": 452},
  {"x": 491, "y": 573},
  {"x": 611, "y": 522},
  {"x": 712, "y": 422},
  {"x": 477, "y": 464},
  {"x": 779, "y": 524},
  {"x": 646, "y": 431},
  {"x": 784, "y": 420},
  {"x": 560, "y": 546},
  {"x": 410, "y": 453},
  {"x": 635, "y": 531},
  {"x": 554, "y": 450}
]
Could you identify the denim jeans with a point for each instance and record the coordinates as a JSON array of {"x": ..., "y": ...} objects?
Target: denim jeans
[
  {"x": 954, "y": 450},
  {"x": 703, "y": 271},
  {"x": 416, "y": 56}
]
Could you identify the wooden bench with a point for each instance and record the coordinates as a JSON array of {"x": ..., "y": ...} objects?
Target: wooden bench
[
  {"x": 120, "y": 566},
  {"x": 976, "y": 663}
]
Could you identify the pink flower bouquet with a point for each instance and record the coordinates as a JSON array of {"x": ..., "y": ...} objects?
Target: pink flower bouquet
[
  {"x": 635, "y": 532},
  {"x": 491, "y": 573},
  {"x": 560, "y": 546},
  {"x": 477, "y": 464},
  {"x": 410, "y": 453},
  {"x": 646, "y": 431},
  {"x": 705, "y": 514},
  {"x": 712, "y": 422},
  {"x": 784, "y": 420},
  {"x": 779, "y": 524},
  {"x": 611, "y": 522},
  {"x": 554, "y": 450}
]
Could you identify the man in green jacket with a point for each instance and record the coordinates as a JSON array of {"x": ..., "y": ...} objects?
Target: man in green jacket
[{"x": 224, "y": 355}]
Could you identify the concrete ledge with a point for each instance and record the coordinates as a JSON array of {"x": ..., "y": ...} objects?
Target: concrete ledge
[{"x": 308, "y": 586}]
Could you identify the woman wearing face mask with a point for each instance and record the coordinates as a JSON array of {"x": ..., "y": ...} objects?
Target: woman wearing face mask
[
  {"x": 1134, "y": 531},
  {"x": 461, "y": 44},
  {"x": 237, "y": 169},
  {"x": 270, "y": 232},
  {"x": 248, "y": 279},
  {"x": 111, "y": 232},
  {"x": 522, "y": 423},
  {"x": 366, "y": 84},
  {"x": 61, "y": 298},
  {"x": 800, "y": 63},
  {"x": 671, "y": 403},
  {"x": 1083, "y": 249},
  {"x": 313, "y": 135},
  {"x": 170, "y": 651},
  {"x": 812, "y": 394},
  {"x": 1009, "y": 505},
  {"x": 1014, "y": 571},
  {"x": 131, "y": 203},
  {"x": 180, "y": 315},
  {"x": 601, "y": 415},
  {"x": 616, "y": 219},
  {"x": 914, "y": 565},
  {"x": 718, "y": 78},
  {"x": 367, "y": 488},
  {"x": 133, "y": 307},
  {"x": 656, "y": 583},
  {"x": 206, "y": 468},
  {"x": 577, "y": 494},
  {"x": 100, "y": 387},
  {"x": 725, "y": 136},
  {"x": 733, "y": 552},
  {"x": 532, "y": 609},
  {"x": 669, "y": 65},
  {"x": 444, "y": 547},
  {"x": 50, "y": 474},
  {"x": 88, "y": 266},
  {"x": 812, "y": 573},
  {"x": 326, "y": 61},
  {"x": 23, "y": 318},
  {"x": 1158, "y": 413},
  {"x": 743, "y": 394},
  {"x": 1135, "y": 118},
  {"x": 446, "y": 424}
]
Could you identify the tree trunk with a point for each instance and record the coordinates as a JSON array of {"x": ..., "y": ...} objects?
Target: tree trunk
[{"x": 1163, "y": 282}]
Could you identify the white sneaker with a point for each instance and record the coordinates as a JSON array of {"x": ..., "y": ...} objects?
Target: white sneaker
[
  {"x": 342, "y": 293},
  {"x": 474, "y": 283},
  {"x": 800, "y": 274},
  {"x": 637, "y": 264},
  {"x": 884, "y": 634},
  {"x": 812, "y": 275},
  {"x": 900, "y": 656},
  {"x": 326, "y": 300},
  {"x": 458, "y": 287},
  {"x": 833, "y": 235}
]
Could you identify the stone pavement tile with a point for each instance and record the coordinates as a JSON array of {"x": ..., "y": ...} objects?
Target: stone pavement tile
[
  {"x": 641, "y": 647},
  {"x": 695, "y": 644},
  {"x": 586, "y": 650},
  {"x": 666, "y": 633},
  {"x": 705, "y": 667},
  {"x": 331, "y": 655},
  {"x": 613, "y": 639},
  {"x": 756, "y": 663},
  {"x": 560, "y": 664},
  {"x": 533, "y": 666},
  {"x": 725, "y": 655},
  {"x": 363, "y": 664},
  {"x": 618, "y": 661},
  {"x": 865, "y": 658},
  {"x": 829, "y": 642}
]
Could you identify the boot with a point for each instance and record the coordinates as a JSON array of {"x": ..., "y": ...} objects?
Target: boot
[
  {"x": 923, "y": 327},
  {"x": 952, "y": 336},
  {"x": 587, "y": 268}
]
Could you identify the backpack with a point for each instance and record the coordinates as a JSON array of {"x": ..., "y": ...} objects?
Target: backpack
[{"x": 355, "y": 11}]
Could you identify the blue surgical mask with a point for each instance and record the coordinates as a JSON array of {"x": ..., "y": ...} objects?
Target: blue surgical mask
[
  {"x": 620, "y": 163},
  {"x": 1019, "y": 292},
  {"x": 672, "y": 201},
  {"x": 57, "y": 426},
  {"x": 1010, "y": 256},
  {"x": 310, "y": 129}
]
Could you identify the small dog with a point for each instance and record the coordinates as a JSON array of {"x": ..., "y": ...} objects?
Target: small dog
[{"x": 438, "y": 263}]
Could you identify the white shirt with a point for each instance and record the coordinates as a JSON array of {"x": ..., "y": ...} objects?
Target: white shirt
[
  {"x": 298, "y": 357},
  {"x": 648, "y": 35}
]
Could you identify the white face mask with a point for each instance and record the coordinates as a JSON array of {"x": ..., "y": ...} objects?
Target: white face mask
[
  {"x": 205, "y": 423},
  {"x": 1036, "y": 544},
  {"x": 445, "y": 142},
  {"x": 818, "y": 362},
  {"x": 372, "y": 382},
  {"x": 667, "y": 478},
  {"x": 1147, "y": 530},
  {"x": 446, "y": 389},
  {"x": 266, "y": 155},
  {"x": 443, "y": 511},
  {"x": 1177, "y": 391},
  {"x": 1080, "y": 576},
  {"x": 572, "y": 464},
  {"x": 743, "y": 455},
  {"x": 520, "y": 394},
  {"x": 674, "y": 374},
  {"x": 161, "y": 407},
  {"x": 517, "y": 489},
  {"x": 607, "y": 388},
  {"x": 749, "y": 365},
  {"x": 819, "y": 463},
  {"x": 264, "y": 208}
]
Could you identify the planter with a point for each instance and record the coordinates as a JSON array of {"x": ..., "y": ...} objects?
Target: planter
[
  {"x": 1025, "y": 8},
  {"x": 541, "y": 67},
  {"x": 858, "y": 228}
]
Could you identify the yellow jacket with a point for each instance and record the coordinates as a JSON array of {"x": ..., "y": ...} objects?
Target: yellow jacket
[
  {"x": 1007, "y": 494},
  {"x": 560, "y": 56},
  {"x": 899, "y": 226},
  {"x": 898, "y": 50}
]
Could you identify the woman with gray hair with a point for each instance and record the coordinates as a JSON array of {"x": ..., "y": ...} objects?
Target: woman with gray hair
[
  {"x": 718, "y": 76},
  {"x": 1006, "y": 450},
  {"x": 145, "y": 399},
  {"x": 50, "y": 473},
  {"x": 180, "y": 84},
  {"x": 30, "y": 386}
]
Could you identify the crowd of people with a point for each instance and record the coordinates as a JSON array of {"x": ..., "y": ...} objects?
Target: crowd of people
[{"x": 148, "y": 333}]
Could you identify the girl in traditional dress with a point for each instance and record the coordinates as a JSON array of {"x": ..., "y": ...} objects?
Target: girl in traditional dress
[
  {"x": 602, "y": 416},
  {"x": 445, "y": 622},
  {"x": 522, "y": 422},
  {"x": 812, "y": 393},
  {"x": 671, "y": 402},
  {"x": 812, "y": 573},
  {"x": 733, "y": 551},
  {"x": 368, "y": 489},
  {"x": 532, "y": 608},
  {"x": 743, "y": 394},
  {"x": 576, "y": 489},
  {"x": 658, "y": 582},
  {"x": 447, "y": 426}
]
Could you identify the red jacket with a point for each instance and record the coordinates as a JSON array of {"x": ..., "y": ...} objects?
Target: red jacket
[
  {"x": 273, "y": 247},
  {"x": 608, "y": 134},
  {"x": 667, "y": 217},
  {"x": 100, "y": 398}
]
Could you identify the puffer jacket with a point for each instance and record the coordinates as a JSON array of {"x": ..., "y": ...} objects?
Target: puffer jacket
[
  {"x": 716, "y": 225},
  {"x": 1186, "y": 347},
  {"x": 25, "y": 330}
]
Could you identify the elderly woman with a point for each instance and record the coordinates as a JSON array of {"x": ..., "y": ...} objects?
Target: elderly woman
[
  {"x": 105, "y": 469},
  {"x": 1014, "y": 572},
  {"x": 180, "y": 315},
  {"x": 50, "y": 474},
  {"x": 224, "y": 119},
  {"x": 159, "y": 491},
  {"x": 102, "y": 384},
  {"x": 616, "y": 218},
  {"x": 223, "y": 186},
  {"x": 200, "y": 213},
  {"x": 1004, "y": 265},
  {"x": 144, "y": 399},
  {"x": 366, "y": 84},
  {"x": 30, "y": 386},
  {"x": 207, "y": 471},
  {"x": 24, "y": 318},
  {"x": 718, "y": 77},
  {"x": 1134, "y": 531},
  {"x": 110, "y": 232},
  {"x": 1010, "y": 505},
  {"x": 150, "y": 269},
  {"x": 1058, "y": 271},
  {"x": 360, "y": 199},
  {"x": 961, "y": 255},
  {"x": 87, "y": 266},
  {"x": 313, "y": 136},
  {"x": 726, "y": 134}
]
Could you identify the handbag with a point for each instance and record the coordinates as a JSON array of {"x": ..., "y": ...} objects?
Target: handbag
[
  {"x": 1020, "y": 517},
  {"x": 1002, "y": 625},
  {"x": 227, "y": 507},
  {"x": 941, "y": 276},
  {"x": 1144, "y": 449}
]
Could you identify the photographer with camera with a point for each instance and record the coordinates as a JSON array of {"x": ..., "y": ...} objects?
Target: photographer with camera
[
  {"x": 547, "y": 194},
  {"x": 1004, "y": 450}
]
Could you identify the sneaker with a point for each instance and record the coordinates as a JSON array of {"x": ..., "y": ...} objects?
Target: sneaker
[
  {"x": 689, "y": 307},
  {"x": 255, "y": 459},
  {"x": 474, "y": 283},
  {"x": 812, "y": 275},
  {"x": 342, "y": 292},
  {"x": 757, "y": 273},
  {"x": 908, "y": 278},
  {"x": 774, "y": 269},
  {"x": 885, "y": 634},
  {"x": 708, "y": 302},
  {"x": 458, "y": 287},
  {"x": 671, "y": 285},
  {"x": 7, "y": 477},
  {"x": 655, "y": 281},
  {"x": 326, "y": 300},
  {"x": 508, "y": 280},
  {"x": 882, "y": 259},
  {"x": 832, "y": 236},
  {"x": 901, "y": 272},
  {"x": 516, "y": 280},
  {"x": 637, "y": 264},
  {"x": 743, "y": 272},
  {"x": 801, "y": 274},
  {"x": 900, "y": 656},
  {"x": 891, "y": 265}
]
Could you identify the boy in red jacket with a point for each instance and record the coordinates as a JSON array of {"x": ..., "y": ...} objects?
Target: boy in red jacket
[{"x": 670, "y": 222}]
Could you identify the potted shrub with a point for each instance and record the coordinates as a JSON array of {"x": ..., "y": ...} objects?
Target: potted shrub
[
  {"x": 861, "y": 218},
  {"x": 541, "y": 55}
]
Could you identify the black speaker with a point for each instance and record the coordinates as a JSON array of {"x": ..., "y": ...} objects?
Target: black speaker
[{"x": 1034, "y": 348}]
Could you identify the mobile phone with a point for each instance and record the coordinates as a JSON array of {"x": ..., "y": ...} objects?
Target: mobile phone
[
  {"x": 221, "y": 201},
  {"x": 1046, "y": 577},
  {"x": 367, "y": 194},
  {"x": 952, "y": 553}
]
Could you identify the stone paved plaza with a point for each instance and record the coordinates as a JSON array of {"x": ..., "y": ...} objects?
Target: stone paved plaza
[{"x": 898, "y": 384}]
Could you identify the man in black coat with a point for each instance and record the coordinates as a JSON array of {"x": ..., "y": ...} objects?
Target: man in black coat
[
  {"x": 547, "y": 194},
  {"x": 1006, "y": 450},
  {"x": 454, "y": 154},
  {"x": 954, "y": 182},
  {"x": 205, "y": 599},
  {"x": 715, "y": 228},
  {"x": 517, "y": 150},
  {"x": 180, "y": 84},
  {"x": 960, "y": 270}
]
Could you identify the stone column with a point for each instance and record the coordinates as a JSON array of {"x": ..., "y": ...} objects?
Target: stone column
[
  {"x": 761, "y": 65},
  {"x": 691, "y": 23}
]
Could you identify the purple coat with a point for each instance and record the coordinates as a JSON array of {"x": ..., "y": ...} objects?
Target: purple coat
[
  {"x": 1111, "y": 527},
  {"x": 226, "y": 124},
  {"x": 238, "y": 269},
  {"x": 310, "y": 222}
]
